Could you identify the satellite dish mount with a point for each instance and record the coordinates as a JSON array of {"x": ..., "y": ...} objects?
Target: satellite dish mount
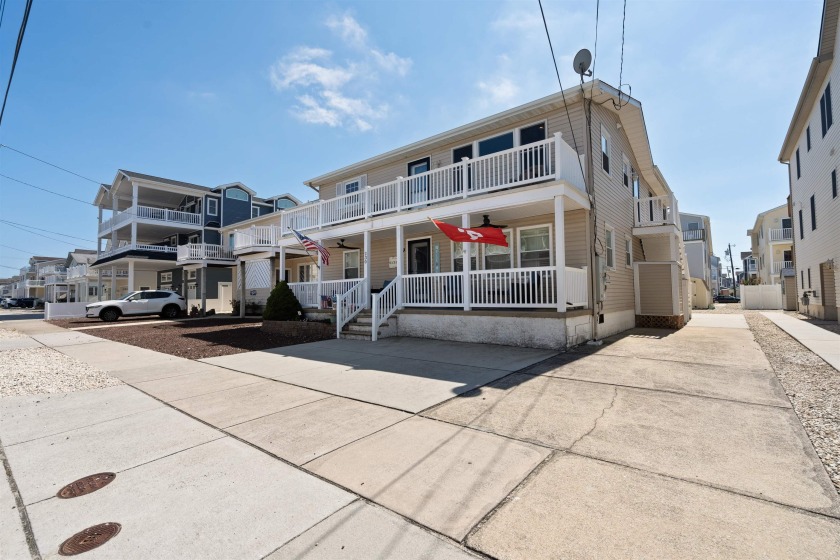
[{"x": 582, "y": 62}]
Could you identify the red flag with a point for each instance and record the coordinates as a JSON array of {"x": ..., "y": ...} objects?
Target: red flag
[{"x": 488, "y": 235}]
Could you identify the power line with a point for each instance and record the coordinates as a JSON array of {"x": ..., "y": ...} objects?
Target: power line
[
  {"x": 2, "y": 11},
  {"x": 12, "y": 267},
  {"x": 563, "y": 93},
  {"x": 17, "y": 52},
  {"x": 619, "y": 105},
  {"x": 7, "y": 222},
  {"x": 14, "y": 249},
  {"x": 50, "y": 164},
  {"x": 46, "y": 190},
  {"x": 595, "y": 54},
  {"x": 40, "y": 235}
]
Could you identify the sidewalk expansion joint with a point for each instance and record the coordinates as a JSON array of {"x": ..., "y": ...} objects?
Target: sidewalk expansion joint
[{"x": 21, "y": 507}]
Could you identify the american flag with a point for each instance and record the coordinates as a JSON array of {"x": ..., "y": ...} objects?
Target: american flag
[{"x": 311, "y": 245}]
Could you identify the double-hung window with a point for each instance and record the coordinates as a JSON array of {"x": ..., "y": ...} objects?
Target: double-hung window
[
  {"x": 351, "y": 264},
  {"x": 628, "y": 251},
  {"x": 255, "y": 211},
  {"x": 833, "y": 183},
  {"x": 496, "y": 256},
  {"x": 808, "y": 138},
  {"x": 625, "y": 171},
  {"x": 798, "y": 165},
  {"x": 458, "y": 256},
  {"x": 813, "y": 213},
  {"x": 609, "y": 238},
  {"x": 212, "y": 207},
  {"x": 535, "y": 246},
  {"x": 826, "y": 117},
  {"x": 307, "y": 272},
  {"x": 351, "y": 185},
  {"x": 605, "y": 150},
  {"x": 801, "y": 226}
]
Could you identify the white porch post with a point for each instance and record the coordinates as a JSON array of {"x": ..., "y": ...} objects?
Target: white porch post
[
  {"x": 241, "y": 274},
  {"x": 466, "y": 257},
  {"x": 114, "y": 206},
  {"x": 113, "y": 282},
  {"x": 204, "y": 288},
  {"x": 282, "y": 263},
  {"x": 134, "y": 198},
  {"x": 272, "y": 264},
  {"x": 772, "y": 275},
  {"x": 560, "y": 252},
  {"x": 400, "y": 268},
  {"x": 98, "y": 284},
  {"x": 366, "y": 261},
  {"x": 130, "y": 276},
  {"x": 320, "y": 279}
]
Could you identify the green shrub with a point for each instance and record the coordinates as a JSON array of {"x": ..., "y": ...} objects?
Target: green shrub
[{"x": 282, "y": 305}]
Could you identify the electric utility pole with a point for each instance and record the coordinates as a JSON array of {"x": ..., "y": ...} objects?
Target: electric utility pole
[{"x": 732, "y": 264}]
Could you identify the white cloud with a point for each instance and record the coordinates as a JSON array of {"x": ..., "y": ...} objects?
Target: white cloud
[
  {"x": 339, "y": 94},
  {"x": 501, "y": 91}
]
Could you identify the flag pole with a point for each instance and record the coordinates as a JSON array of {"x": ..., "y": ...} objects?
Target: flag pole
[{"x": 305, "y": 250}]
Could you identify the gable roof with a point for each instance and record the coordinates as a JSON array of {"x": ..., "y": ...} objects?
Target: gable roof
[
  {"x": 820, "y": 65},
  {"x": 143, "y": 176}
]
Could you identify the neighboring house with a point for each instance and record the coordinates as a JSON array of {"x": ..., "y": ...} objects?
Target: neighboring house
[
  {"x": 586, "y": 258},
  {"x": 714, "y": 263},
  {"x": 164, "y": 234},
  {"x": 697, "y": 236},
  {"x": 81, "y": 279},
  {"x": 750, "y": 268},
  {"x": 810, "y": 150},
  {"x": 32, "y": 277},
  {"x": 6, "y": 286},
  {"x": 772, "y": 243}
]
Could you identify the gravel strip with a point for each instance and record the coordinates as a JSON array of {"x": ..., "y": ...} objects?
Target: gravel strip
[
  {"x": 812, "y": 385},
  {"x": 34, "y": 371},
  {"x": 9, "y": 334}
]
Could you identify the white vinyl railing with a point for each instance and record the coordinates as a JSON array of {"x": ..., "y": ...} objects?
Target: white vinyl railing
[
  {"x": 384, "y": 305},
  {"x": 306, "y": 293},
  {"x": 781, "y": 234},
  {"x": 656, "y": 211},
  {"x": 779, "y": 265},
  {"x": 546, "y": 160},
  {"x": 138, "y": 247},
  {"x": 151, "y": 213},
  {"x": 54, "y": 279},
  {"x": 204, "y": 251},
  {"x": 350, "y": 304},
  {"x": 106, "y": 273},
  {"x": 34, "y": 283},
  {"x": 334, "y": 288},
  {"x": 577, "y": 287},
  {"x": 514, "y": 287},
  {"x": 439, "y": 289}
]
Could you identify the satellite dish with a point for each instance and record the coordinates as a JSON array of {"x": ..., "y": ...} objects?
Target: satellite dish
[{"x": 582, "y": 62}]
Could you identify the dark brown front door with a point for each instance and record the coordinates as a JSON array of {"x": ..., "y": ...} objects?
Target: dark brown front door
[{"x": 419, "y": 256}]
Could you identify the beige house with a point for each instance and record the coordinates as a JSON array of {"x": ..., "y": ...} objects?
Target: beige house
[
  {"x": 811, "y": 150},
  {"x": 772, "y": 244},
  {"x": 595, "y": 245},
  {"x": 702, "y": 265}
]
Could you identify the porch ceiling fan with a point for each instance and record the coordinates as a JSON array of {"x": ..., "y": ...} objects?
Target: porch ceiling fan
[
  {"x": 486, "y": 223},
  {"x": 341, "y": 245}
]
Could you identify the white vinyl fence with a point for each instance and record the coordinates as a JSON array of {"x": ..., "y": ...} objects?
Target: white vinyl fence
[
  {"x": 64, "y": 310},
  {"x": 763, "y": 296}
]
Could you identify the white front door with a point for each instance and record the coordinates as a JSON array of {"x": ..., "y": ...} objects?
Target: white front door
[{"x": 225, "y": 294}]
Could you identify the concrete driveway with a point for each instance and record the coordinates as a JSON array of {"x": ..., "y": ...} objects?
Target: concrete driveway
[{"x": 656, "y": 445}]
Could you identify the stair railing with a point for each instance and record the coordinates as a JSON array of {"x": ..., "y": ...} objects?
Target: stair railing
[
  {"x": 350, "y": 304},
  {"x": 383, "y": 306}
]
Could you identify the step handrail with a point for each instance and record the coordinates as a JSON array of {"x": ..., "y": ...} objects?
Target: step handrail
[
  {"x": 349, "y": 304},
  {"x": 383, "y": 306}
]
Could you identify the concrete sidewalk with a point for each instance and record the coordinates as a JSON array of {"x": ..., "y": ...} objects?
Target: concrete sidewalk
[{"x": 821, "y": 342}]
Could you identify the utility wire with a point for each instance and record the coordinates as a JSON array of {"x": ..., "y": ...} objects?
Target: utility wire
[
  {"x": 2, "y": 11},
  {"x": 12, "y": 267},
  {"x": 50, "y": 164},
  {"x": 14, "y": 248},
  {"x": 619, "y": 105},
  {"x": 559, "y": 81},
  {"x": 7, "y": 222},
  {"x": 47, "y": 190},
  {"x": 595, "y": 53},
  {"x": 39, "y": 234},
  {"x": 17, "y": 52}
]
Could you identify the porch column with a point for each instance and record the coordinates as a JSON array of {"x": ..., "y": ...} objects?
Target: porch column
[
  {"x": 98, "y": 284},
  {"x": 134, "y": 198},
  {"x": 98, "y": 237},
  {"x": 203, "y": 289},
  {"x": 272, "y": 264},
  {"x": 366, "y": 259},
  {"x": 398, "y": 277},
  {"x": 282, "y": 263},
  {"x": 130, "y": 276},
  {"x": 114, "y": 206},
  {"x": 241, "y": 274},
  {"x": 113, "y": 282},
  {"x": 560, "y": 252},
  {"x": 466, "y": 255},
  {"x": 772, "y": 275},
  {"x": 320, "y": 279}
]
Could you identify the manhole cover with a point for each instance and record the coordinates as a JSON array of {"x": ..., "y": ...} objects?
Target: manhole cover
[
  {"x": 90, "y": 538},
  {"x": 86, "y": 485}
]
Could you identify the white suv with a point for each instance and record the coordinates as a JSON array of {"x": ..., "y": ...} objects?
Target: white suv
[{"x": 148, "y": 302}]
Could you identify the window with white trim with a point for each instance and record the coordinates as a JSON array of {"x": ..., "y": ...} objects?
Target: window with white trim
[
  {"x": 351, "y": 264},
  {"x": 307, "y": 272},
  {"x": 826, "y": 116},
  {"x": 166, "y": 277},
  {"x": 212, "y": 207},
  {"x": 496, "y": 256},
  {"x": 191, "y": 274},
  {"x": 351, "y": 185},
  {"x": 605, "y": 150},
  {"x": 92, "y": 290},
  {"x": 236, "y": 194},
  {"x": 625, "y": 170},
  {"x": 609, "y": 238},
  {"x": 458, "y": 256},
  {"x": 194, "y": 238},
  {"x": 628, "y": 251},
  {"x": 255, "y": 211},
  {"x": 534, "y": 246}
]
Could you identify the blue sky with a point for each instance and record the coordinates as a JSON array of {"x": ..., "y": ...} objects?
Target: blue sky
[{"x": 275, "y": 93}]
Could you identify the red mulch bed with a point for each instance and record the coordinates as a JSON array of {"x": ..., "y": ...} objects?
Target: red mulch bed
[{"x": 203, "y": 338}]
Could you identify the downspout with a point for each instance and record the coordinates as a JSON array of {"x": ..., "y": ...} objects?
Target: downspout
[{"x": 593, "y": 225}]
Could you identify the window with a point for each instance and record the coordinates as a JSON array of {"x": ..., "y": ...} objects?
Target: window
[
  {"x": 173, "y": 241},
  {"x": 495, "y": 144},
  {"x": 808, "y": 138},
  {"x": 283, "y": 203},
  {"x": 496, "y": 256},
  {"x": 625, "y": 170},
  {"x": 610, "y": 246},
  {"x": 458, "y": 256},
  {"x": 605, "y": 150},
  {"x": 531, "y": 134},
  {"x": 801, "y": 227},
  {"x": 230, "y": 241},
  {"x": 809, "y": 277},
  {"x": 813, "y": 214},
  {"x": 352, "y": 185},
  {"x": 351, "y": 264},
  {"x": 93, "y": 290},
  {"x": 833, "y": 183},
  {"x": 628, "y": 251},
  {"x": 236, "y": 194},
  {"x": 191, "y": 274},
  {"x": 212, "y": 207},
  {"x": 535, "y": 246},
  {"x": 255, "y": 211},
  {"x": 826, "y": 117},
  {"x": 802, "y": 278},
  {"x": 194, "y": 238},
  {"x": 307, "y": 272},
  {"x": 166, "y": 277},
  {"x": 798, "y": 166},
  {"x": 636, "y": 186}
]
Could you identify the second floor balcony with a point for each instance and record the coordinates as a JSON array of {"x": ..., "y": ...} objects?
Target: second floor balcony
[
  {"x": 53, "y": 279},
  {"x": 779, "y": 265},
  {"x": 694, "y": 235},
  {"x": 656, "y": 211},
  {"x": 34, "y": 283},
  {"x": 150, "y": 214},
  {"x": 781, "y": 235},
  {"x": 145, "y": 247},
  {"x": 201, "y": 252}
]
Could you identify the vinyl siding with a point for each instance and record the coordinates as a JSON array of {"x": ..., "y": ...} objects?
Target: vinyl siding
[
  {"x": 821, "y": 244},
  {"x": 655, "y": 295}
]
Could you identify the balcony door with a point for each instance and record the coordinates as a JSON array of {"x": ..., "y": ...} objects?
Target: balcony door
[
  {"x": 419, "y": 256},
  {"x": 418, "y": 189}
]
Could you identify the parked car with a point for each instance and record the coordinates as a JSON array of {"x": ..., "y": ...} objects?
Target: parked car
[
  {"x": 9, "y": 302},
  {"x": 148, "y": 302},
  {"x": 727, "y": 299},
  {"x": 27, "y": 302}
]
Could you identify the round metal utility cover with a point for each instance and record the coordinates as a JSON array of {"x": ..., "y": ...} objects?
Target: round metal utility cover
[
  {"x": 86, "y": 485},
  {"x": 90, "y": 538}
]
